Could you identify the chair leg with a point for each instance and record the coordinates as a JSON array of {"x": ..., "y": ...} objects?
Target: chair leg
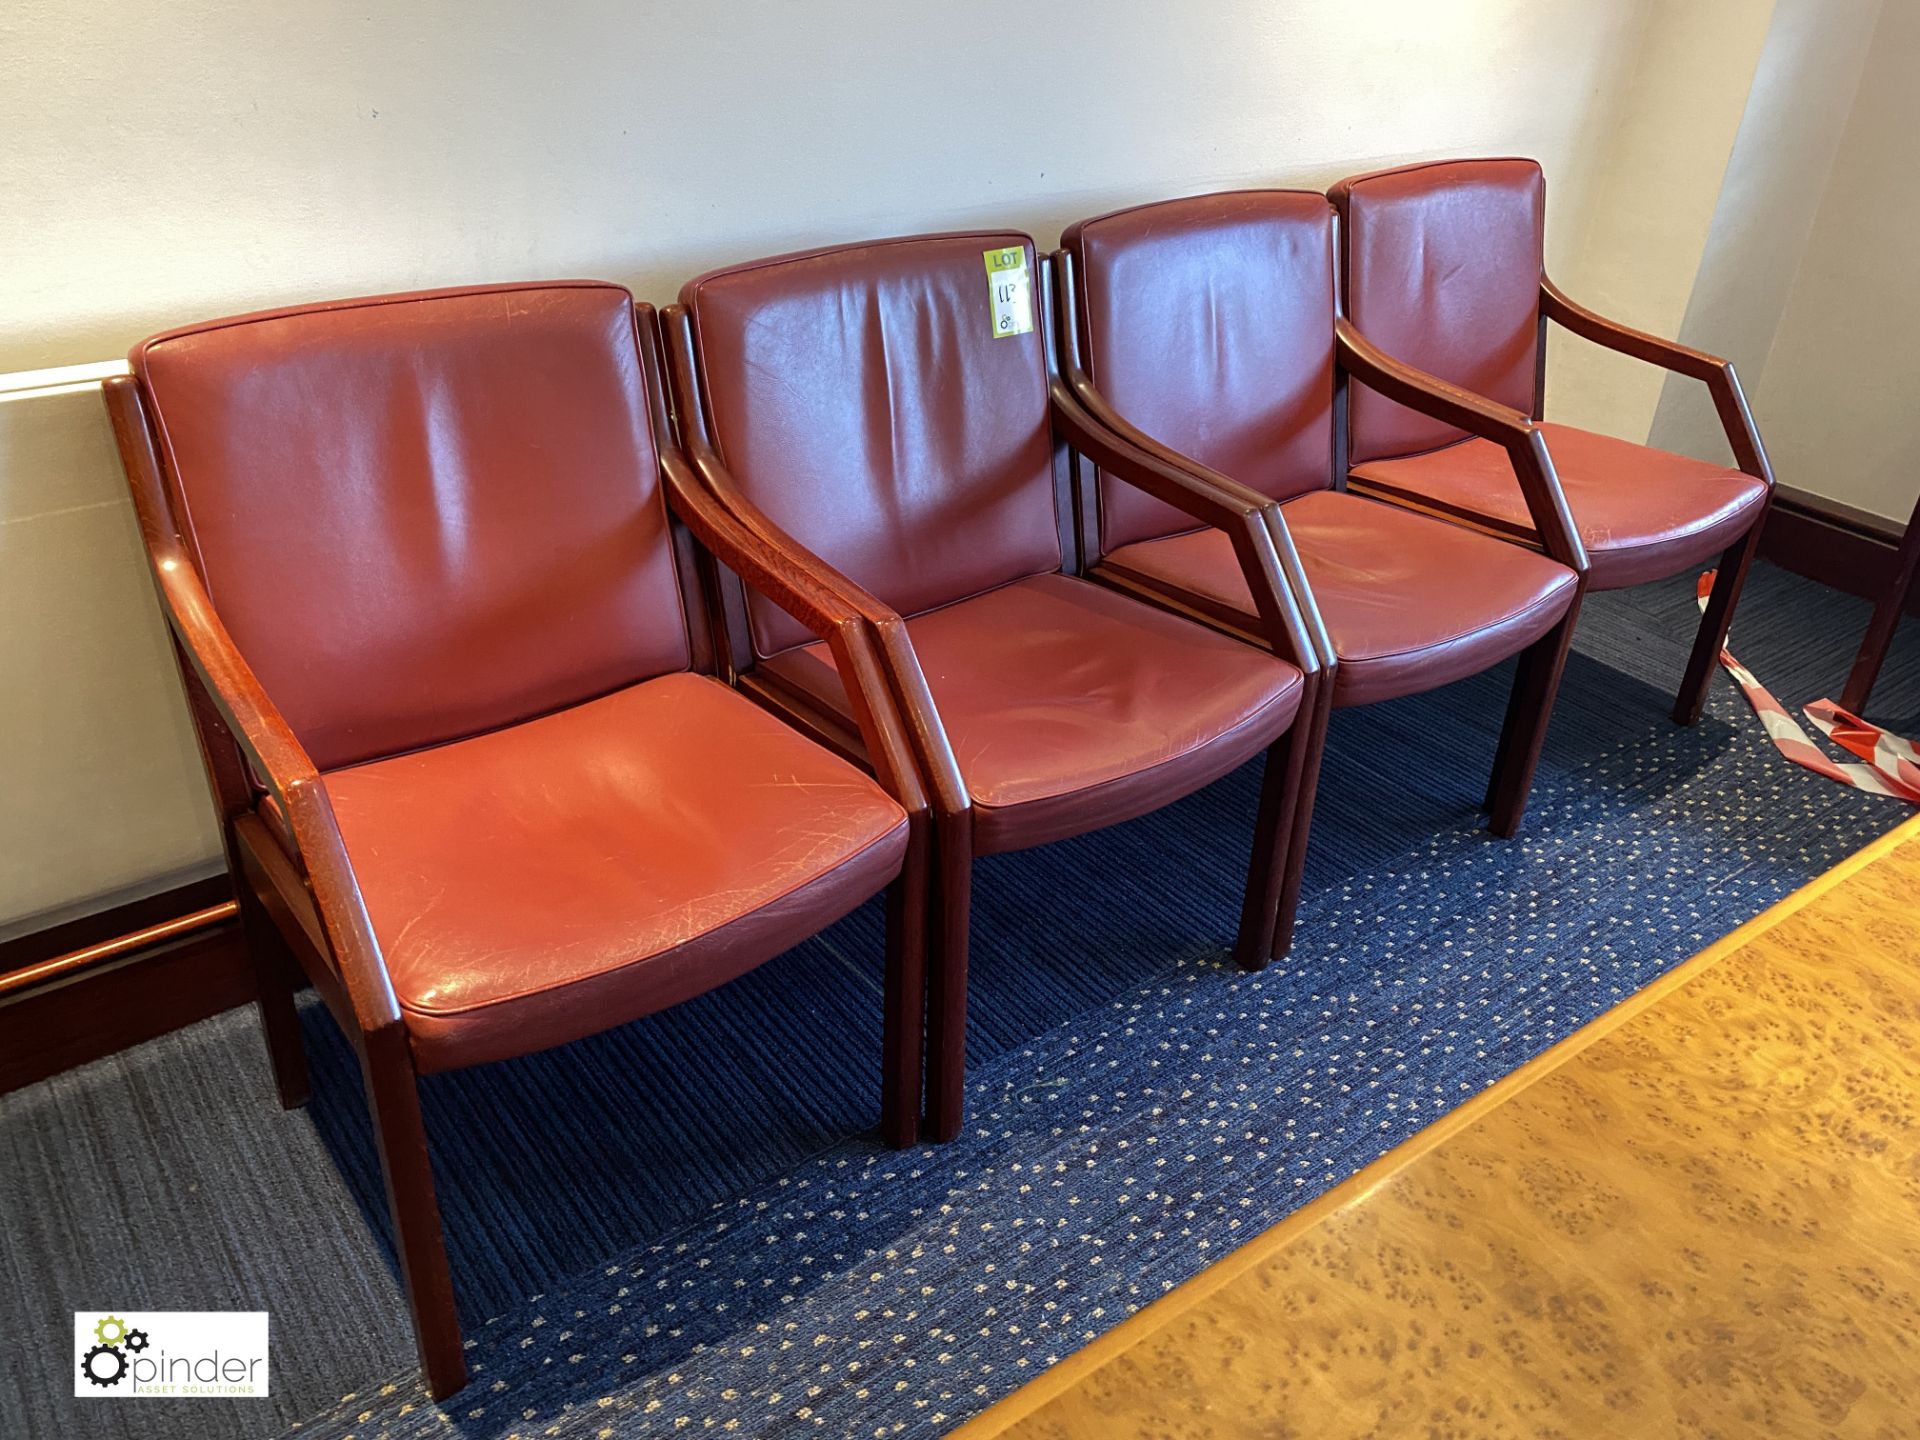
[
  {"x": 1266, "y": 870},
  {"x": 1712, "y": 634},
  {"x": 393, "y": 1095},
  {"x": 1535, "y": 683},
  {"x": 1305, "y": 759},
  {"x": 274, "y": 990},
  {"x": 947, "y": 979},
  {"x": 904, "y": 1011},
  {"x": 1279, "y": 849}
]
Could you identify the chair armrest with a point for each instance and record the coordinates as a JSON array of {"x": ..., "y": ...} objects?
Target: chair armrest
[
  {"x": 769, "y": 570},
  {"x": 1729, "y": 400},
  {"x": 1269, "y": 563},
  {"x": 899, "y": 665},
  {"x": 254, "y": 722},
  {"x": 906, "y": 681},
  {"x": 1563, "y": 310},
  {"x": 1502, "y": 424}
]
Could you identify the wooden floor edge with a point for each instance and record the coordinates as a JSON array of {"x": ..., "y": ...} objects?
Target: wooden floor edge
[{"x": 1072, "y": 1369}]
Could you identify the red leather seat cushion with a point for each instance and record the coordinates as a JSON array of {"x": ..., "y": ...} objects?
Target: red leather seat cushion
[
  {"x": 1070, "y": 707},
  {"x": 551, "y": 880},
  {"x": 1643, "y": 513},
  {"x": 1410, "y": 602}
]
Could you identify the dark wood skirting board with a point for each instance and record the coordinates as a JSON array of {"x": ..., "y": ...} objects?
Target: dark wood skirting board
[
  {"x": 82, "y": 1012},
  {"x": 1838, "y": 545},
  {"x": 105, "y": 926}
]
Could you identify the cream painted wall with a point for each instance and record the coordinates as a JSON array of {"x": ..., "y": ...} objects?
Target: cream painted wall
[
  {"x": 167, "y": 161},
  {"x": 1796, "y": 114},
  {"x": 101, "y": 794},
  {"x": 1839, "y": 397},
  {"x": 164, "y": 163},
  {"x": 1668, "y": 134},
  {"x": 1806, "y": 282}
]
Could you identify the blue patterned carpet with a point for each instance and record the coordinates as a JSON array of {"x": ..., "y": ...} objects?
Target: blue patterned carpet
[{"x": 687, "y": 1223}]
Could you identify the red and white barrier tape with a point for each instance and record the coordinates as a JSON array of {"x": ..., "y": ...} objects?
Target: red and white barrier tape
[{"x": 1892, "y": 765}]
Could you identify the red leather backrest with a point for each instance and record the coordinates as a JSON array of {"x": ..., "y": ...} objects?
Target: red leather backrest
[
  {"x": 860, "y": 397},
  {"x": 423, "y": 516},
  {"x": 1208, "y": 323},
  {"x": 1443, "y": 266}
]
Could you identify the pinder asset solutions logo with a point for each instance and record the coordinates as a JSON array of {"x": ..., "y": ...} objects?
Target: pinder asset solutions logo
[{"x": 170, "y": 1354}]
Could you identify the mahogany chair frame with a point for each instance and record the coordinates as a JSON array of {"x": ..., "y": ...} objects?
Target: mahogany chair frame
[
  {"x": 1537, "y": 678},
  {"x": 1749, "y": 453},
  {"x": 1265, "y": 552},
  {"x": 303, "y": 913},
  {"x": 1736, "y": 420}
]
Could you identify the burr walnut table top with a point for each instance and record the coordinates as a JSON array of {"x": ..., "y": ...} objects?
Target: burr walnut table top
[{"x": 1698, "y": 1216}]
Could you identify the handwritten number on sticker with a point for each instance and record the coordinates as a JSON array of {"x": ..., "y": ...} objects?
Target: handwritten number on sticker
[{"x": 1010, "y": 291}]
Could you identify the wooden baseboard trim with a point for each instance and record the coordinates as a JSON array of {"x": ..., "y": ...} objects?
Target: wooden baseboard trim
[
  {"x": 104, "y": 926},
  {"x": 77, "y": 992},
  {"x": 1836, "y": 544},
  {"x": 119, "y": 947}
]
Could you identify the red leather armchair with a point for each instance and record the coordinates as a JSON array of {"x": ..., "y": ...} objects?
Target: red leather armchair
[
  {"x": 1204, "y": 329},
  {"x": 452, "y": 687},
  {"x": 1444, "y": 270},
  {"x": 856, "y": 407}
]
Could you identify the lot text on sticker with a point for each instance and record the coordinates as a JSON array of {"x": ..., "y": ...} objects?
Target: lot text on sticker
[{"x": 1010, "y": 290}]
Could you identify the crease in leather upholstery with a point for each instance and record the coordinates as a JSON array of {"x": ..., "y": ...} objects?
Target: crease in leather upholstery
[
  {"x": 851, "y": 390},
  {"x": 1443, "y": 267},
  {"x": 372, "y": 491}
]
